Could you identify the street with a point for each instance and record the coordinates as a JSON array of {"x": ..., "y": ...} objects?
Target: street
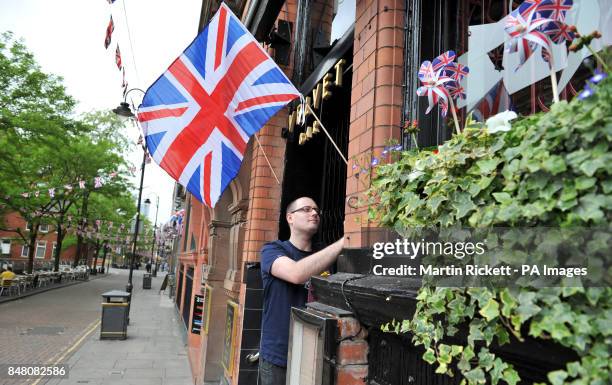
[{"x": 62, "y": 326}]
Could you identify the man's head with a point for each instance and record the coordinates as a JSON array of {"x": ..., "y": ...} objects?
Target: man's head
[
  {"x": 9, "y": 268},
  {"x": 303, "y": 216}
]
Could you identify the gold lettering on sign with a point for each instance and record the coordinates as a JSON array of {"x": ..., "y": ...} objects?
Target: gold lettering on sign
[
  {"x": 299, "y": 109},
  {"x": 327, "y": 84},
  {"x": 302, "y": 138},
  {"x": 291, "y": 121},
  {"x": 308, "y": 102},
  {"x": 309, "y": 132},
  {"x": 315, "y": 127},
  {"x": 339, "y": 67},
  {"x": 316, "y": 94}
]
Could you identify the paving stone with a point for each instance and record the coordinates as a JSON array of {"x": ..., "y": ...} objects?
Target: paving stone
[{"x": 153, "y": 353}]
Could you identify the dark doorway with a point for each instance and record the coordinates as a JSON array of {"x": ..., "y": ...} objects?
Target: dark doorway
[
  {"x": 187, "y": 298},
  {"x": 179, "y": 288},
  {"x": 315, "y": 169}
]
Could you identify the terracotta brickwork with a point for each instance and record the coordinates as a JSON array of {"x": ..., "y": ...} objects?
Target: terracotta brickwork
[
  {"x": 376, "y": 96},
  {"x": 265, "y": 191},
  {"x": 351, "y": 352}
]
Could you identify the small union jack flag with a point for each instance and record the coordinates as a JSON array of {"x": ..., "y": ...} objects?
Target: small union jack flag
[
  {"x": 525, "y": 34},
  {"x": 118, "y": 58},
  {"x": 109, "y": 33},
  {"x": 528, "y": 6},
  {"x": 495, "y": 101},
  {"x": 443, "y": 60},
  {"x": 199, "y": 115},
  {"x": 457, "y": 71},
  {"x": 554, "y": 10},
  {"x": 558, "y": 32},
  {"x": 433, "y": 87}
]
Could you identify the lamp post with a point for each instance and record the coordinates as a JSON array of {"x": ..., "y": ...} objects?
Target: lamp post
[
  {"x": 148, "y": 201},
  {"x": 125, "y": 111}
]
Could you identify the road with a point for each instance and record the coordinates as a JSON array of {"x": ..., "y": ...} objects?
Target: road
[{"x": 43, "y": 327}]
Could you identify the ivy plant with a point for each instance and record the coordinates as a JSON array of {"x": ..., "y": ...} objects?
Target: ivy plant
[{"x": 551, "y": 169}]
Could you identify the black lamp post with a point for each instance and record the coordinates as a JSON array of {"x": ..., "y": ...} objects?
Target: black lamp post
[
  {"x": 125, "y": 111},
  {"x": 148, "y": 201}
]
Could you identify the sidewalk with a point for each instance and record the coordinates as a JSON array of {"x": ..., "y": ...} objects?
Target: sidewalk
[{"x": 153, "y": 353}]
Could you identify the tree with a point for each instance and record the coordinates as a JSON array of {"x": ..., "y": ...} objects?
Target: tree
[{"x": 44, "y": 148}]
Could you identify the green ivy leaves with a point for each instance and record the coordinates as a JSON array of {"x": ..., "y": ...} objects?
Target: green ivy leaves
[{"x": 550, "y": 170}]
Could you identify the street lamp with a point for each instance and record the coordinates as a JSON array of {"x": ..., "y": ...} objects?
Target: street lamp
[
  {"x": 148, "y": 202},
  {"x": 124, "y": 111}
]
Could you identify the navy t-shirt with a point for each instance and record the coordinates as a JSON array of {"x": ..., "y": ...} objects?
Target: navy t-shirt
[{"x": 279, "y": 297}]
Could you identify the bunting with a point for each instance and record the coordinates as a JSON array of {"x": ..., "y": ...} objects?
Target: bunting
[{"x": 109, "y": 32}]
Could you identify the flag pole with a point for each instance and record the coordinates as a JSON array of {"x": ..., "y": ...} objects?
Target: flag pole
[
  {"x": 267, "y": 160},
  {"x": 327, "y": 133},
  {"x": 553, "y": 78},
  {"x": 452, "y": 107}
]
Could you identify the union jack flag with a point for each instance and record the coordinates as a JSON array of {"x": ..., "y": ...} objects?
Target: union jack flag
[
  {"x": 554, "y": 9},
  {"x": 495, "y": 101},
  {"x": 525, "y": 34},
  {"x": 443, "y": 60},
  {"x": 558, "y": 32},
  {"x": 528, "y": 6},
  {"x": 433, "y": 86},
  {"x": 109, "y": 33},
  {"x": 199, "y": 115},
  {"x": 118, "y": 58}
]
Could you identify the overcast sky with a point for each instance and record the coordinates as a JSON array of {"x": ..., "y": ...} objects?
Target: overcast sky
[{"x": 67, "y": 39}]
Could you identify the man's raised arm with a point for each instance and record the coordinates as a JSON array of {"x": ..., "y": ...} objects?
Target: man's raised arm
[{"x": 299, "y": 272}]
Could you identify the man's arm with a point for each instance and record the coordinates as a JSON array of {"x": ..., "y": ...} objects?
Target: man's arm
[{"x": 299, "y": 272}]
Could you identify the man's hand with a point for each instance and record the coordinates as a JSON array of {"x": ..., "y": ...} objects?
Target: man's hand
[{"x": 299, "y": 272}]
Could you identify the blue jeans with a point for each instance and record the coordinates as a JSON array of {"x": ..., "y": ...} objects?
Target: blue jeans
[{"x": 270, "y": 374}]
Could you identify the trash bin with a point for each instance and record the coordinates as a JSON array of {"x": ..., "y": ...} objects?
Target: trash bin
[
  {"x": 146, "y": 281},
  {"x": 115, "y": 312}
]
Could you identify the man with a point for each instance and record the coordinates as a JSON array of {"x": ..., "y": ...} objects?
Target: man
[
  {"x": 8, "y": 274},
  {"x": 285, "y": 267}
]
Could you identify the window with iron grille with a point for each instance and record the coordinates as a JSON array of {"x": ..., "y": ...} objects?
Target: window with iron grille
[{"x": 436, "y": 26}]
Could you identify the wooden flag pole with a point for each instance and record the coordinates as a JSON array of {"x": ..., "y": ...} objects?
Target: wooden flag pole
[
  {"x": 267, "y": 160},
  {"x": 553, "y": 78},
  {"x": 327, "y": 133},
  {"x": 452, "y": 107}
]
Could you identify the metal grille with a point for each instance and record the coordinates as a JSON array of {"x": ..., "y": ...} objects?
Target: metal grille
[
  {"x": 435, "y": 26},
  {"x": 336, "y": 117}
]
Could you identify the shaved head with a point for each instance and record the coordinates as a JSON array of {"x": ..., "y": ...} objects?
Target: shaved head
[{"x": 295, "y": 204}]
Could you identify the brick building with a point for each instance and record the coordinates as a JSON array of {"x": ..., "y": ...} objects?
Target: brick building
[
  {"x": 356, "y": 62},
  {"x": 14, "y": 251}
]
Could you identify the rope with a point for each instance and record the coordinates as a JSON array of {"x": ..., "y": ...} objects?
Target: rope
[
  {"x": 327, "y": 133},
  {"x": 267, "y": 160}
]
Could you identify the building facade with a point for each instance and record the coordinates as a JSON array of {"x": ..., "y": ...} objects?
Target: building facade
[
  {"x": 14, "y": 251},
  {"x": 356, "y": 62}
]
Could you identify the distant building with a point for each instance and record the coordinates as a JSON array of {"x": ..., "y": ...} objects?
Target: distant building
[{"x": 14, "y": 251}]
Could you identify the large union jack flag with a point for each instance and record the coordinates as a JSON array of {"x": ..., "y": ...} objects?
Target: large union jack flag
[{"x": 199, "y": 115}]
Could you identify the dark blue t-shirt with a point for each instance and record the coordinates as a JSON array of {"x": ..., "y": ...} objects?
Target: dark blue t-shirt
[{"x": 279, "y": 297}]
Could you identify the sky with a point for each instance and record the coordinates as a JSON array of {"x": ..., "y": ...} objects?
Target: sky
[{"x": 67, "y": 39}]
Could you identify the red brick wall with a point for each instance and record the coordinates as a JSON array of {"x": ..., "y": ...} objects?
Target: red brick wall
[
  {"x": 14, "y": 221},
  {"x": 376, "y": 96},
  {"x": 265, "y": 191}
]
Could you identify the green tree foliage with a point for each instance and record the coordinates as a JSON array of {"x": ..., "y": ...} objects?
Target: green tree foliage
[
  {"x": 43, "y": 146},
  {"x": 550, "y": 169}
]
